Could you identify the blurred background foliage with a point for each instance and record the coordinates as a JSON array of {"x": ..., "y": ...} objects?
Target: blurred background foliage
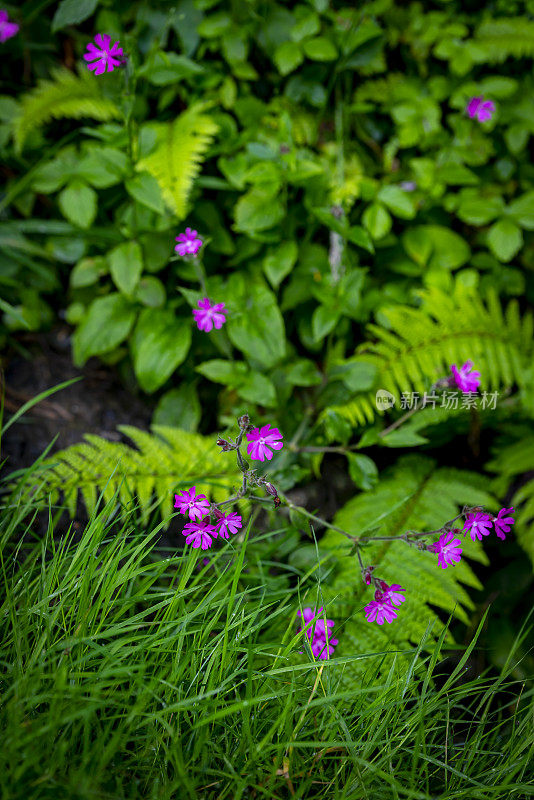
[{"x": 362, "y": 230}]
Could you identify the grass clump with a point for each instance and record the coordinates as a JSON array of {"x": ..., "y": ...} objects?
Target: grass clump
[{"x": 127, "y": 672}]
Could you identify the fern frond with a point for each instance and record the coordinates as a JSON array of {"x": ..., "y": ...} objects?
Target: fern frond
[
  {"x": 506, "y": 37},
  {"x": 176, "y": 161},
  {"x": 434, "y": 496},
  {"x": 165, "y": 462},
  {"x": 511, "y": 461},
  {"x": 66, "y": 96},
  {"x": 423, "y": 343}
]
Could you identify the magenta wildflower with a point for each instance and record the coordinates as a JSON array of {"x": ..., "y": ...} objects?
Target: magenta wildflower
[
  {"x": 317, "y": 631},
  {"x": 466, "y": 380},
  {"x": 196, "y": 505},
  {"x": 199, "y": 534},
  {"x": 480, "y": 108},
  {"x": 103, "y": 56},
  {"x": 502, "y": 523},
  {"x": 392, "y": 593},
  {"x": 260, "y": 440},
  {"x": 479, "y": 523},
  {"x": 7, "y": 28},
  {"x": 380, "y": 609},
  {"x": 207, "y": 316},
  {"x": 189, "y": 243},
  {"x": 228, "y": 524},
  {"x": 448, "y": 549}
]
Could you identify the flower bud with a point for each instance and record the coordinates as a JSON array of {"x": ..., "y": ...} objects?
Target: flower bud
[
  {"x": 270, "y": 489},
  {"x": 277, "y": 502},
  {"x": 243, "y": 421},
  {"x": 224, "y": 444},
  {"x": 367, "y": 575}
]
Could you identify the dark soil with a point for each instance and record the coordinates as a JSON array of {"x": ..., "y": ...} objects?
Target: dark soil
[{"x": 96, "y": 404}]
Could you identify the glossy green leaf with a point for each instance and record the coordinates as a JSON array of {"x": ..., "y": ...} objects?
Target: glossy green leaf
[{"x": 159, "y": 344}]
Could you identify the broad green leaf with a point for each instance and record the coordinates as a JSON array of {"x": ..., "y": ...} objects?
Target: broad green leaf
[
  {"x": 480, "y": 210},
  {"x": 257, "y": 328},
  {"x": 162, "y": 69},
  {"x": 377, "y": 220},
  {"x": 308, "y": 24},
  {"x": 522, "y": 211},
  {"x": 357, "y": 374},
  {"x": 88, "y": 271},
  {"x": 418, "y": 244},
  {"x": 72, "y": 12},
  {"x": 107, "y": 323},
  {"x": 230, "y": 373},
  {"x": 505, "y": 239},
  {"x": 324, "y": 320},
  {"x": 160, "y": 342},
  {"x": 287, "y": 57},
  {"x": 257, "y": 388},
  {"x": 179, "y": 408},
  {"x": 436, "y": 245},
  {"x": 150, "y": 292},
  {"x": 258, "y": 210},
  {"x": 320, "y": 49},
  {"x": 303, "y": 372},
  {"x": 126, "y": 266},
  {"x": 145, "y": 189},
  {"x": 279, "y": 262},
  {"x": 78, "y": 204},
  {"x": 398, "y": 201},
  {"x": 362, "y": 470}
]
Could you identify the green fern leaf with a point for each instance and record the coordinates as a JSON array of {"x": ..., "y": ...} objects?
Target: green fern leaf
[
  {"x": 422, "y": 343},
  {"x": 165, "y": 462},
  {"x": 511, "y": 461},
  {"x": 176, "y": 161},
  {"x": 506, "y": 37},
  {"x": 434, "y": 496},
  {"x": 66, "y": 96}
]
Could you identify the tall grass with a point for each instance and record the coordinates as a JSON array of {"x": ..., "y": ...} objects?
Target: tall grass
[{"x": 131, "y": 673}]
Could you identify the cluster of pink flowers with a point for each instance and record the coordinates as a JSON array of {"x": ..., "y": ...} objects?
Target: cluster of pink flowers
[
  {"x": 448, "y": 550},
  {"x": 7, "y": 28},
  {"x": 479, "y": 523},
  {"x": 317, "y": 631},
  {"x": 381, "y": 609},
  {"x": 200, "y": 532}
]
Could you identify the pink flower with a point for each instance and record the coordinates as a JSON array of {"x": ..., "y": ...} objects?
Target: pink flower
[
  {"x": 392, "y": 593},
  {"x": 260, "y": 440},
  {"x": 206, "y": 316},
  {"x": 189, "y": 243},
  {"x": 199, "y": 534},
  {"x": 479, "y": 522},
  {"x": 480, "y": 108},
  {"x": 189, "y": 502},
  {"x": 448, "y": 549},
  {"x": 7, "y": 29},
  {"x": 229, "y": 523},
  {"x": 380, "y": 610},
  {"x": 466, "y": 380},
  {"x": 103, "y": 56},
  {"x": 502, "y": 523},
  {"x": 317, "y": 631}
]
